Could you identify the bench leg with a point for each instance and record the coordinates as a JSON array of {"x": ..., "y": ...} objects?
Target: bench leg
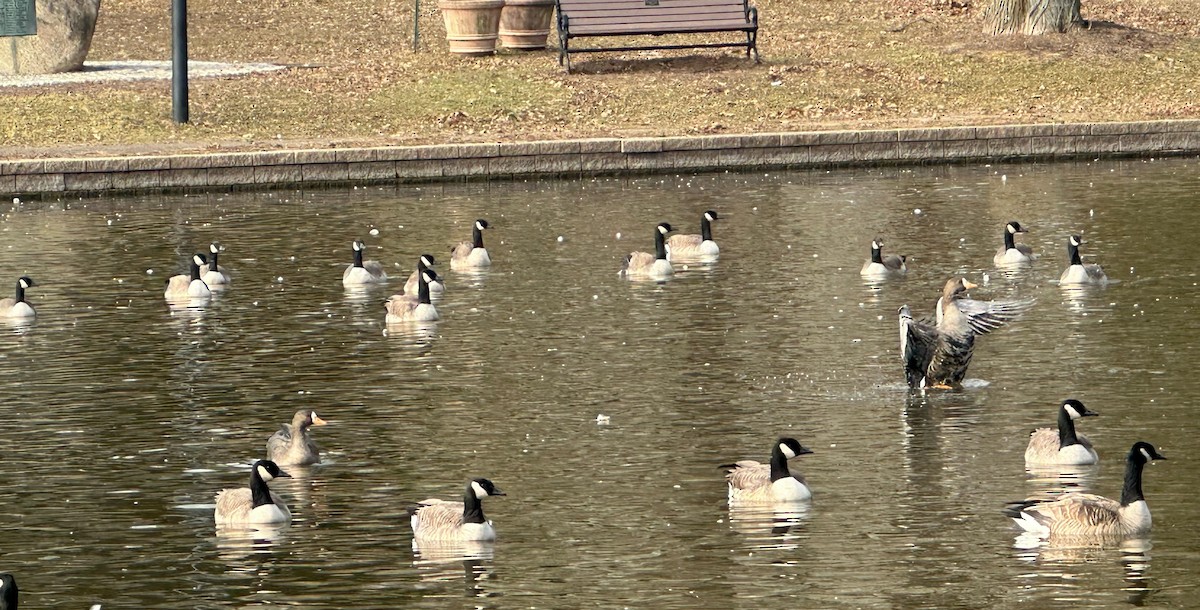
[{"x": 752, "y": 35}]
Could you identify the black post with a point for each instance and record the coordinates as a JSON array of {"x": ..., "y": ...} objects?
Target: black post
[{"x": 179, "y": 72}]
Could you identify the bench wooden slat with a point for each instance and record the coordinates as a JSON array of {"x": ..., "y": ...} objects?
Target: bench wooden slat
[
  {"x": 656, "y": 28},
  {"x": 666, "y": 20},
  {"x": 718, "y": 12},
  {"x": 617, "y": 5}
]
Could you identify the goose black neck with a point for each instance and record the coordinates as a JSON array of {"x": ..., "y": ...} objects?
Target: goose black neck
[
  {"x": 876, "y": 255},
  {"x": 1009, "y": 242},
  {"x": 358, "y": 258},
  {"x": 20, "y": 292},
  {"x": 472, "y": 508},
  {"x": 779, "y": 467},
  {"x": 476, "y": 237},
  {"x": 213, "y": 266},
  {"x": 1132, "y": 492},
  {"x": 705, "y": 228},
  {"x": 259, "y": 492},
  {"x": 195, "y": 267},
  {"x": 1066, "y": 429},
  {"x": 421, "y": 266},
  {"x": 660, "y": 244},
  {"x": 422, "y": 289},
  {"x": 1073, "y": 252}
]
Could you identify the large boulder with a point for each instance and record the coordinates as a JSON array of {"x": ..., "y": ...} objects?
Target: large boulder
[{"x": 64, "y": 34}]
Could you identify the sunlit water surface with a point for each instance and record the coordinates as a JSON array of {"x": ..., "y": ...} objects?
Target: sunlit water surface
[{"x": 120, "y": 418}]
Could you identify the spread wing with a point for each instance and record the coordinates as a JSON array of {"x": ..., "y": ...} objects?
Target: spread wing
[
  {"x": 918, "y": 342},
  {"x": 986, "y": 316},
  {"x": 748, "y": 474}
]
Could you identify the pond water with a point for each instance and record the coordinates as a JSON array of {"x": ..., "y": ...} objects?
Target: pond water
[{"x": 120, "y": 418}]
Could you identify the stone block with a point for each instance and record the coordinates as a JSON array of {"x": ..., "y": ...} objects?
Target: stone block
[
  {"x": 87, "y": 182},
  {"x": 558, "y": 164},
  {"x": 1098, "y": 145},
  {"x": 316, "y": 156},
  {"x": 1053, "y": 145},
  {"x": 186, "y": 177},
  {"x": 693, "y": 159},
  {"x": 1109, "y": 129},
  {"x": 1149, "y": 126},
  {"x": 374, "y": 170},
  {"x": 1184, "y": 125},
  {"x": 128, "y": 181},
  {"x": 419, "y": 168},
  {"x": 1141, "y": 142},
  {"x": 602, "y": 162},
  {"x": 965, "y": 149},
  {"x": 479, "y": 150},
  {"x": 890, "y": 151},
  {"x": 759, "y": 140},
  {"x": 396, "y": 153},
  {"x": 599, "y": 145},
  {"x": 641, "y": 145},
  {"x": 354, "y": 155},
  {"x": 683, "y": 143},
  {"x": 465, "y": 168},
  {"x": 36, "y": 183},
  {"x": 110, "y": 164},
  {"x": 646, "y": 161},
  {"x": 149, "y": 163},
  {"x": 64, "y": 35},
  {"x": 324, "y": 172},
  {"x": 64, "y": 166},
  {"x": 500, "y": 166},
  {"x": 8, "y": 168},
  {"x": 8, "y": 184},
  {"x": 1010, "y": 147},
  {"x": 878, "y": 135},
  {"x": 438, "y": 152},
  {"x": 1072, "y": 129},
  {"x": 230, "y": 176},
  {"x": 939, "y": 134},
  {"x": 277, "y": 174},
  {"x": 822, "y": 154}
]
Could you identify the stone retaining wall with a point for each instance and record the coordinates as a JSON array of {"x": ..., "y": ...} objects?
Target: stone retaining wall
[{"x": 598, "y": 156}]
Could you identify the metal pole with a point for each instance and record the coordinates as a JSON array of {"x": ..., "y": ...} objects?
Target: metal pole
[
  {"x": 179, "y": 73},
  {"x": 416, "y": 24}
]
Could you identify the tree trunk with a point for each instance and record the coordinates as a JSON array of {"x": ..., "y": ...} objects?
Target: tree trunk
[{"x": 1031, "y": 16}]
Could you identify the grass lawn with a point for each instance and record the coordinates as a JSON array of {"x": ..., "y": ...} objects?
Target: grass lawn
[{"x": 827, "y": 64}]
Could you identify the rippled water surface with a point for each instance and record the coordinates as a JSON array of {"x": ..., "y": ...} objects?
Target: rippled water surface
[{"x": 120, "y": 418}]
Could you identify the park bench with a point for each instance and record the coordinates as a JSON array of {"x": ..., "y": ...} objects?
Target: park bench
[{"x": 593, "y": 18}]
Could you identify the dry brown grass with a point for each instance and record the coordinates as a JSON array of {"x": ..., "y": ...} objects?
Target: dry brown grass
[{"x": 827, "y": 64}]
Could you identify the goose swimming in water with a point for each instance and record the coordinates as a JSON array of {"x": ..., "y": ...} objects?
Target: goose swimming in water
[
  {"x": 444, "y": 521},
  {"x": 1079, "y": 517},
  {"x": 413, "y": 308},
  {"x": 424, "y": 262},
  {"x": 1062, "y": 446},
  {"x": 188, "y": 285},
  {"x": 16, "y": 307},
  {"x": 1080, "y": 272},
  {"x": 1012, "y": 253},
  {"x": 644, "y": 264},
  {"x": 880, "y": 266},
  {"x": 360, "y": 272},
  {"x": 471, "y": 254},
  {"x": 752, "y": 482},
  {"x": 254, "y": 505},
  {"x": 937, "y": 355},
  {"x": 686, "y": 248},
  {"x": 291, "y": 445}
]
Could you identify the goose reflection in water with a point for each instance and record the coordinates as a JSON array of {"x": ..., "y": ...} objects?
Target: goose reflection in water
[
  {"x": 1063, "y": 567},
  {"x": 237, "y": 544},
  {"x": 450, "y": 561},
  {"x": 771, "y": 526}
]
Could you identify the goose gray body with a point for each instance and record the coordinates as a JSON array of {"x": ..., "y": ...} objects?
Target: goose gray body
[
  {"x": 471, "y": 254},
  {"x": 1080, "y": 517},
  {"x": 751, "y": 482},
  {"x": 425, "y": 261},
  {"x": 16, "y": 307},
  {"x": 881, "y": 265},
  {"x": 1013, "y": 253},
  {"x": 254, "y": 505},
  {"x": 403, "y": 308},
  {"x": 363, "y": 272},
  {"x": 695, "y": 248},
  {"x": 292, "y": 445},
  {"x": 648, "y": 265},
  {"x": 937, "y": 355},
  {"x": 1079, "y": 272},
  {"x": 189, "y": 285},
  {"x": 436, "y": 520}
]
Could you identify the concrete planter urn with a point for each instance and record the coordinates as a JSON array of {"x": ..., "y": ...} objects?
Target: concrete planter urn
[
  {"x": 525, "y": 24},
  {"x": 472, "y": 26},
  {"x": 64, "y": 35}
]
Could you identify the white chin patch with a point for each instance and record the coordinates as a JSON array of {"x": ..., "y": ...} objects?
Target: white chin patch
[
  {"x": 874, "y": 245},
  {"x": 662, "y": 230},
  {"x": 787, "y": 451},
  {"x": 1147, "y": 454},
  {"x": 708, "y": 217},
  {"x": 1075, "y": 242},
  {"x": 1072, "y": 412},
  {"x": 428, "y": 263},
  {"x": 480, "y": 492},
  {"x": 266, "y": 476},
  {"x": 479, "y": 226},
  {"x": 312, "y": 415},
  {"x": 1012, "y": 229}
]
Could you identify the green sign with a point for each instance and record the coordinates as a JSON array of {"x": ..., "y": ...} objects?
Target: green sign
[{"x": 18, "y": 18}]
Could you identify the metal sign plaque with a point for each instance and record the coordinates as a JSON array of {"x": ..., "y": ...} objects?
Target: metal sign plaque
[{"x": 18, "y": 18}]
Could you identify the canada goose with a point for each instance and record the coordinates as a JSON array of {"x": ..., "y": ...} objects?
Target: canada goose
[
  {"x": 1079, "y": 272},
  {"x": 936, "y": 355},
  {"x": 445, "y": 521},
  {"x": 880, "y": 266},
  {"x": 255, "y": 504},
  {"x": 472, "y": 254},
  {"x": 17, "y": 306},
  {"x": 409, "y": 308},
  {"x": 752, "y": 482},
  {"x": 644, "y": 264},
  {"x": 1012, "y": 253},
  {"x": 425, "y": 261},
  {"x": 691, "y": 247},
  {"x": 1062, "y": 446},
  {"x": 1076, "y": 516},
  {"x": 188, "y": 285},
  {"x": 291, "y": 445},
  {"x": 212, "y": 272},
  {"x": 8, "y": 591},
  {"x": 362, "y": 272}
]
